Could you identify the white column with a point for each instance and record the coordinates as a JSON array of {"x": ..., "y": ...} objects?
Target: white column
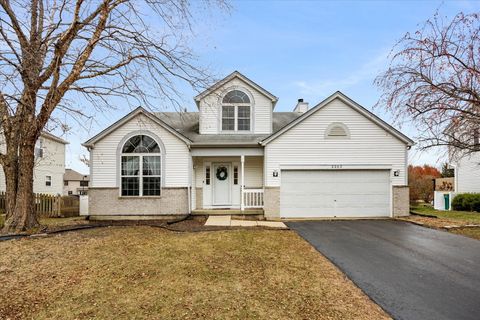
[{"x": 242, "y": 176}]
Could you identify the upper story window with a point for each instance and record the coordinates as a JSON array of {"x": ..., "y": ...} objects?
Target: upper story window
[
  {"x": 39, "y": 148},
  {"x": 141, "y": 165},
  {"x": 337, "y": 130},
  {"x": 236, "y": 111}
]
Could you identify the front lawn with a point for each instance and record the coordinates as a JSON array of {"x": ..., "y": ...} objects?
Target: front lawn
[
  {"x": 447, "y": 219},
  {"x": 152, "y": 273}
]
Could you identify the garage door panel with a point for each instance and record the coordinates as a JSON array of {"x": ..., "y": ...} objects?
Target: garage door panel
[{"x": 335, "y": 193}]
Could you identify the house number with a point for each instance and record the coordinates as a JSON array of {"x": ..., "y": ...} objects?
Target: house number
[{"x": 337, "y": 166}]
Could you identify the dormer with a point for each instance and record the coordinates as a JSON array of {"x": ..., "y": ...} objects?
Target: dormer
[{"x": 235, "y": 105}]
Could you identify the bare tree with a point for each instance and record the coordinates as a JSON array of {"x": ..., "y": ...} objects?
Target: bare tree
[
  {"x": 434, "y": 80},
  {"x": 53, "y": 52}
]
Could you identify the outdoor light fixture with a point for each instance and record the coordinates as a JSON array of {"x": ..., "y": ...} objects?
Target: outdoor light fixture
[
  {"x": 396, "y": 173},
  {"x": 275, "y": 173}
]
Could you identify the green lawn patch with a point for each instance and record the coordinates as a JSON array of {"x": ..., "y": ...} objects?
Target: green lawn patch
[{"x": 463, "y": 216}]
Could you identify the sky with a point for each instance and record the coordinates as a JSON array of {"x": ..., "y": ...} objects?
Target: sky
[{"x": 299, "y": 49}]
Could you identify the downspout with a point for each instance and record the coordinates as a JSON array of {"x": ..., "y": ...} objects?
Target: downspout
[{"x": 189, "y": 188}]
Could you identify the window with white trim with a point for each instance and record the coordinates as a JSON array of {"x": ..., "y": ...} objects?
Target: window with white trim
[
  {"x": 141, "y": 167},
  {"x": 236, "y": 111}
]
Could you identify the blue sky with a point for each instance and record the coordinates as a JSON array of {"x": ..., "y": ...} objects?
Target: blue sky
[{"x": 300, "y": 49}]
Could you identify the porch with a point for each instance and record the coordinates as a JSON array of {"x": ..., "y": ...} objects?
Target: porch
[{"x": 228, "y": 184}]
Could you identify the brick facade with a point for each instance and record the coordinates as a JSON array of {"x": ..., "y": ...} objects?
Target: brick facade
[
  {"x": 271, "y": 202},
  {"x": 106, "y": 201},
  {"x": 401, "y": 201}
]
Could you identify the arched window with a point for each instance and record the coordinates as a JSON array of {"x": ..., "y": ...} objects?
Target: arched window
[
  {"x": 236, "y": 111},
  {"x": 337, "y": 130},
  {"x": 141, "y": 167}
]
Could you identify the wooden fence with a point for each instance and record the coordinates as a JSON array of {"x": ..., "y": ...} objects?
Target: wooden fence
[{"x": 50, "y": 206}]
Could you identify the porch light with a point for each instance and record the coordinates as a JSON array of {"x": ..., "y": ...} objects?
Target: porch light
[
  {"x": 275, "y": 173},
  {"x": 396, "y": 173}
]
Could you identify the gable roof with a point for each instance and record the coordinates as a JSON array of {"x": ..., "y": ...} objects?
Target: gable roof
[
  {"x": 228, "y": 78},
  {"x": 50, "y": 136},
  {"x": 72, "y": 175},
  {"x": 349, "y": 102},
  {"x": 91, "y": 142}
]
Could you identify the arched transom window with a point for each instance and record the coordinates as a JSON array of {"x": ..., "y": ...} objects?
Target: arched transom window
[
  {"x": 141, "y": 167},
  {"x": 236, "y": 111},
  {"x": 337, "y": 130}
]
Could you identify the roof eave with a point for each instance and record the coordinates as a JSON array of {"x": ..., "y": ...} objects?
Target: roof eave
[
  {"x": 234, "y": 74},
  {"x": 409, "y": 142},
  {"x": 90, "y": 143}
]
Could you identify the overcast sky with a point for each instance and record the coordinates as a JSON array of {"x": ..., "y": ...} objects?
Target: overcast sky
[{"x": 299, "y": 50}]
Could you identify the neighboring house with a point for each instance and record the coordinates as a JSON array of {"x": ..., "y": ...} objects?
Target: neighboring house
[
  {"x": 49, "y": 165},
  {"x": 75, "y": 183},
  {"x": 336, "y": 159},
  {"x": 467, "y": 173}
]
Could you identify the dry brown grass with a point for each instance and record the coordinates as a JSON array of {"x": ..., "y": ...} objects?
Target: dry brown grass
[{"x": 151, "y": 273}]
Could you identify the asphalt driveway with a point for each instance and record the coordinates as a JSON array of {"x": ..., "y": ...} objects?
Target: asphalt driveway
[{"x": 410, "y": 271}]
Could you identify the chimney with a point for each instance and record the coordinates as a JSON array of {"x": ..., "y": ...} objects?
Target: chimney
[{"x": 301, "y": 107}]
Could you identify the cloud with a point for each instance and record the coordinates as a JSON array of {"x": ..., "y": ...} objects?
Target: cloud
[{"x": 365, "y": 72}]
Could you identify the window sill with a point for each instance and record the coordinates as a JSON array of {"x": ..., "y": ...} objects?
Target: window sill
[{"x": 139, "y": 197}]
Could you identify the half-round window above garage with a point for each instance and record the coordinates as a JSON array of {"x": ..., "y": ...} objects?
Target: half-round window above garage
[
  {"x": 337, "y": 130},
  {"x": 236, "y": 96}
]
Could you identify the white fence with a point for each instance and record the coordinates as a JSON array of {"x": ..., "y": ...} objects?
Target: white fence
[{"x": 84, "y": 205}]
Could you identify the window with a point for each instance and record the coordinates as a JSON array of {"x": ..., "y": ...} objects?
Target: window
[
  {"x": 228, "y": 118},
  {"x": 207, "y": 175},
  {"x": 337, "y": 131},
  {"x": 48, "y": 181},
  {"x": 141, "y": 165},
  {"x": 83, "y": 183},
  {"x": 39, "y": 149},
  {"x": 65, "y": 183},
  {"x": 235, "y": 175},
  {"x": 236, "y": 111}
]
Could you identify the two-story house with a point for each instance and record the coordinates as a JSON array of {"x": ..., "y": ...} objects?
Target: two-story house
[
  {"x": 49, "y": 164},
  {"x": 236, "y": 153},
  {"x": 75, "y": 183}
]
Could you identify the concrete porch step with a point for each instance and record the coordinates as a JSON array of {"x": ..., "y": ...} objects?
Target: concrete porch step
[{"x": 223, "y": 212}]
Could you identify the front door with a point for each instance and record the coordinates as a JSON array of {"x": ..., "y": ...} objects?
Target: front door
[{"x": 221, "y": 176}]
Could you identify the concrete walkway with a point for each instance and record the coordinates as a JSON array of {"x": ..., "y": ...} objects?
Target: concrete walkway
[{"x": 226, "y": 221}]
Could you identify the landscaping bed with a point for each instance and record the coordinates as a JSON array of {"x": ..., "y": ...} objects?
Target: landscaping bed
[
  {"x": 152, "y": 273},
  {"x": 458, "y": 222}
]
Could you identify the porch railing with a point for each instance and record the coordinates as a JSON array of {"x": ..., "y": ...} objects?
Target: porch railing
[{"x": 253, "y": 198}]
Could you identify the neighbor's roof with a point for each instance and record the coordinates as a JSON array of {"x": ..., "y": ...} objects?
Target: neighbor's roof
[
  {"x": 72, "y": 175},
  {"x": 231, "y": 76},
  {"x": 53, "y": 137},
  {"x": 187, "y": 123}
]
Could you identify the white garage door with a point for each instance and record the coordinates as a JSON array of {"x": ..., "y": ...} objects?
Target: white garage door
[{"x": 335, "y": 193}]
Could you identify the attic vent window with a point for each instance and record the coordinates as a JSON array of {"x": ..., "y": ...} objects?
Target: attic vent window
[{"x": 337, "y": 131}]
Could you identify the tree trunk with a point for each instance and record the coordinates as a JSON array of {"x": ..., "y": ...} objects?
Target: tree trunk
[{"x": 21, "y": 207}]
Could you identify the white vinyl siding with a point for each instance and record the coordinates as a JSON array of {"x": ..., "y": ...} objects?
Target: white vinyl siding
[
  {"x": 468, "y": 174},
  {"x": 104, "y": 157},
  {"x": 305, "y": 144},
  {"x": 51, "y": 164},
  {"x": 261, "y": 109}
]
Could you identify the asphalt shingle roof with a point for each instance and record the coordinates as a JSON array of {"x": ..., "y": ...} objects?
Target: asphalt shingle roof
[{"x": 187, "y": 124}]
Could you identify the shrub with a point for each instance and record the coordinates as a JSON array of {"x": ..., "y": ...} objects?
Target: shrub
[{"x": 466, "y": 202}]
